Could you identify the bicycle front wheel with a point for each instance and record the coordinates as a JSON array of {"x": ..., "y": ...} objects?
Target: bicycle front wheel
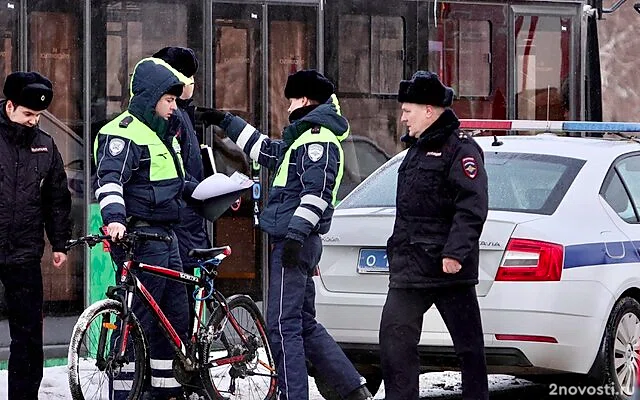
[
  {"x": 94, "y": 370},
  {"x": 243, "y": 334}
]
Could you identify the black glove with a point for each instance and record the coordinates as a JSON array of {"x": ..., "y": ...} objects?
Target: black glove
[
  {"x": 291, "y": 253},
  {"x": 209, "y": 116}
]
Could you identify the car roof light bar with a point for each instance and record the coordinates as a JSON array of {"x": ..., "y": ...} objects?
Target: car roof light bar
[{"x": 548, "y": 126}]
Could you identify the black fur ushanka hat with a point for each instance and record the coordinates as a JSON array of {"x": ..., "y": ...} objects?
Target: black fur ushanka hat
[{"x": 425, "y": 87}]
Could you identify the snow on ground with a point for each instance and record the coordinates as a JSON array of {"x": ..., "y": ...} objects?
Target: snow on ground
[{"x": 55, "y": 387}]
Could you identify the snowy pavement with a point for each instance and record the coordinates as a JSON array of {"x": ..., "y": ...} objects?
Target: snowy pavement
[{"x": 432, "y": 385}]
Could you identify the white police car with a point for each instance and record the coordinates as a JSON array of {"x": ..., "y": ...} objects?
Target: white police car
[{"x": 559, "y": 273}]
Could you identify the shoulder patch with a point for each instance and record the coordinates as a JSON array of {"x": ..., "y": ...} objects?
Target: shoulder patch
[
  {"x": 126, "y": 121},
  {"x": 470, "y": 167},
  {"x": 315, "y": 151},
  {"x": 116, "y": 146},
  {"x": 315, "y": 129}
]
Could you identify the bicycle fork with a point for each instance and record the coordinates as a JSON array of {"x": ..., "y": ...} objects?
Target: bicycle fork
[{"x": 106, "y": 326}]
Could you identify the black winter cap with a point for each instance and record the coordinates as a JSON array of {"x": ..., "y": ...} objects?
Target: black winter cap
[
  {"x": 175, "y": 90},
  {"x": 28, "y": 89},
  {"x": 183, "y": 59},
  {"x": 425, "y": 87},
  {"x": 308, "y": 83}
]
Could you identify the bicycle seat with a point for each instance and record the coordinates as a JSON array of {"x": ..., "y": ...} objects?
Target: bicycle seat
[{"x": 209, "y": 253}]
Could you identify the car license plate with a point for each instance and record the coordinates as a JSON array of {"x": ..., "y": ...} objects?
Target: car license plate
[{"x": 372, "y": 261}]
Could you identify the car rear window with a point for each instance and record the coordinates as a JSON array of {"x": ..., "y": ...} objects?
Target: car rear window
[{"x": 530, "y": 183}]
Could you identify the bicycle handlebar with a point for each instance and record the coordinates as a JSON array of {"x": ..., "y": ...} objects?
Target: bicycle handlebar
[{"x": 133, "y": 237}]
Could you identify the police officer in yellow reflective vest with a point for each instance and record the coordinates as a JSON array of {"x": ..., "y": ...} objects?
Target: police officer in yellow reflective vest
[
  {"x": 309, "y": 162},
  {"x": 139, "y": 184}
]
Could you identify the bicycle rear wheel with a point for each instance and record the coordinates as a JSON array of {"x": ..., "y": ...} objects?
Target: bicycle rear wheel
[
  {"x": 251, "y": 379},
  {"x": 92, "y": 364}
]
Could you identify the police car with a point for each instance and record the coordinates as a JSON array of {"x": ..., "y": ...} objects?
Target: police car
[{"x": 559, "y": 276}]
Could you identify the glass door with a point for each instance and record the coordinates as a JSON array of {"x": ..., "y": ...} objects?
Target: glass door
[
  {"x": 292, "y": 47},
  {"x": 546, "y": 62},
  {"x": 238, "y": 69},
  {"x": 256, "y": 47},
  {"x": 8, "y": 62},
  {"x": 9, "y": 43}
]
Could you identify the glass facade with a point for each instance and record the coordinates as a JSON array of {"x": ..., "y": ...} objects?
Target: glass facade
[{"x": 504, "y": 60}]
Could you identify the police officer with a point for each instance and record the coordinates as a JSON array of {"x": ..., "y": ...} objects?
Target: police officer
[
  {"x": 309, "y": 162},
  {"x": 433, "y": 252},
  {"x": 33, "y": 197},
  {"x": 139, "y": 184},
  {"x": 192, "y": 231}
]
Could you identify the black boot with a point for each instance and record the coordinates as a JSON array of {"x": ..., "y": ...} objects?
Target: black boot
[{"x": 361, "y": 393}]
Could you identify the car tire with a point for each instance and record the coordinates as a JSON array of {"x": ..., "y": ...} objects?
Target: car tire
[
  {"x": 625, "y": 314},
  {"x": 373, "y": 376}
]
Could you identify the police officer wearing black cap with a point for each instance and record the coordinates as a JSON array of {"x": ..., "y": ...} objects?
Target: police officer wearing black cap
[
  {"x": 441, "y": 207},
  {"x": 192, "y": 230},
  {"x": 309, "y": 164},
  {"x": 34, "y": 197}
]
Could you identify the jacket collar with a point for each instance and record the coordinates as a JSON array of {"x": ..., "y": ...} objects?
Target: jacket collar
[
  {"x": 15, "y": 133},
  {"x": 437, "y": 134}
]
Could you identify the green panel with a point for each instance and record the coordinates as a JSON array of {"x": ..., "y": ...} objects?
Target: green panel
[
  {"x": 55, "y": 362},
  {"x": 101, "y": 276},
  {"x": 101, "y": 273},
  {"x": 52, "y": 362}
]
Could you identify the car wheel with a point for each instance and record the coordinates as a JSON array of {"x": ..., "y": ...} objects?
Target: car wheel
[{"x": 619, "y": 349}]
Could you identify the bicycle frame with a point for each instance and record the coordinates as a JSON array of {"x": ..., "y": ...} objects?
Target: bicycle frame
[{"x": 138, "y": 288}]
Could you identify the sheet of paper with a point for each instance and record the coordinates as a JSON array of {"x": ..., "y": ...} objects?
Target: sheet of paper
[{"x": 219, "y": 184}]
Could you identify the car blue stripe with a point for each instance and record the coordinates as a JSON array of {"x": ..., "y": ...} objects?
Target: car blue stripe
[{"x": 588, "y": 254}]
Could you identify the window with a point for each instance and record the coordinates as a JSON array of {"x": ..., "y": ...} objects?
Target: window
[
  {"x": 292, "y": 47},
  {"x": 371, "y": 54},
  {"x": 460, "y": 51},
  {"x": 517, "y": 182},
  {"x": 460, "y": 42},
  {"x": 362, "y": 157},
  {"x": 130, "y": 37},
  {"x": 378, "y": 191},
  {"x": 628, "y": 171},
  {"x": 529, "y": 182},
  {"x": 543, "y": 57},
  {"x": 616, "y": 196}
]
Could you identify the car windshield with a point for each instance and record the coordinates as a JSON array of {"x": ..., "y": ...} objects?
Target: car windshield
[{"x": 531, "y": 183}]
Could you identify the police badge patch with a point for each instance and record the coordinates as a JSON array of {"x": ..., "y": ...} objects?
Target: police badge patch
[
  {"x": 470, "y": 167},
  {"x": 315, "y": 151},
  {"x": 116, "y": 146}
]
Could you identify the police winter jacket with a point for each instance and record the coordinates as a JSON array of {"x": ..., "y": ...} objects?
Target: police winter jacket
[
  {"x": 441, "y": 207},
  {"x": 139, "y": 168},
  {"x": 191, "y": 231},
  {"x": 34, "y": 195},
  {"x": 309, "y": 164}
]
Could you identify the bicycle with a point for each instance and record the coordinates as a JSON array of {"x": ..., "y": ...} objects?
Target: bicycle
[{"x": 218, "y": 362}]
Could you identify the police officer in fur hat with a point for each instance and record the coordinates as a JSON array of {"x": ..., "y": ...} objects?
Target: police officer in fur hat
[
  {"x": 309, "y": 163},
  {"x": 35, "y": 183},
  {"x": 442, "y": 204}
]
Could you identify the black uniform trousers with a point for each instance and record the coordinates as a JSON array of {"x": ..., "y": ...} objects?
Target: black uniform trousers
[
  {"x": 24, "y": 298},
  {"x": 171, "y": 297},
  {"x": 400, "y": 330}
]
